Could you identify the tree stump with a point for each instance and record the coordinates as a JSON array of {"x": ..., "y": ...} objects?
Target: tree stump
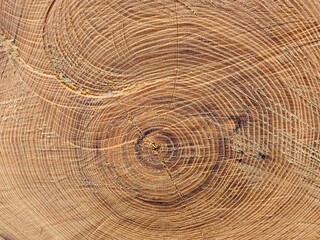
[{"x": 172, "y": 119}]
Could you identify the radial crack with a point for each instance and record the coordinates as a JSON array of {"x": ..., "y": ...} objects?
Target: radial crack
[
  {"x": 177, "y": 56},
  {"x": 163, "y": 162}
]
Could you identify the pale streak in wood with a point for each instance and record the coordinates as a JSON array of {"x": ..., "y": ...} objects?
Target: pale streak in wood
[{"x": 172, "y": 119}]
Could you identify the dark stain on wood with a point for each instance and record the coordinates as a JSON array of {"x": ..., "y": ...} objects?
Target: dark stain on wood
[
  {"x": 239, "y": 160},
  {"x": 262, "y": 156},
  {"x": 238, "y": 121},
  {"x": 6, "y": 236}
]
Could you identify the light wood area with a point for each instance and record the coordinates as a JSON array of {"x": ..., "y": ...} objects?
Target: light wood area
[{"x": 163, "y": 119}]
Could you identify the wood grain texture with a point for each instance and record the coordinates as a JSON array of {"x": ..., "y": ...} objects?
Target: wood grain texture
[{"x": 172, "y": 119}]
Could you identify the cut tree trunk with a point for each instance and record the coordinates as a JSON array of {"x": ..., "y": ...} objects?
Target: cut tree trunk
[{"x": 171, "y": 119}]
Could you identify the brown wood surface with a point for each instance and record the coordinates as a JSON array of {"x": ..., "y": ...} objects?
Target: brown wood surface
[{"x": 172, "y": 119}]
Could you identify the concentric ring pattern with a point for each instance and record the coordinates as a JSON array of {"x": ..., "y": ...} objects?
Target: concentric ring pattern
[{"x": 171, "y": 119}]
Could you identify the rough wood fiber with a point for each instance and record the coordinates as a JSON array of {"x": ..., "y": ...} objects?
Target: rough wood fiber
[{"x": 164, "y": 119}]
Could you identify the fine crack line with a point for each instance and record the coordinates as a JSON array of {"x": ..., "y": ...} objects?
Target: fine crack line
[
  {"x": 163, "y": 162},
  {"x": 177, "y": 56},
  {"x": 19, "y": 22},
  {"x": 186, "y": 6}
]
